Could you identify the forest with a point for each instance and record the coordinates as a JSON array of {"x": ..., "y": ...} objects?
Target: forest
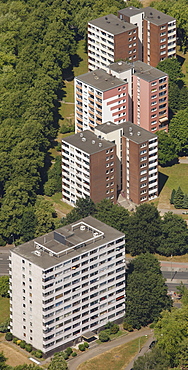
[{"x": 38, "y": 43}]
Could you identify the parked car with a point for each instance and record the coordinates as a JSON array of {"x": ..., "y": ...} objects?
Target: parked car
[{"x": 185, "y": 213}]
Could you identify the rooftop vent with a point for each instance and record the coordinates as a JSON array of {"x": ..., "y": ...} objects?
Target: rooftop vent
[
  {"x": 106, "y": 18},
  {"x": 83, "y": 139},
  {"x": 37, "y": 253},
  {"x": 82, "y": 227},
  {"x": 130, "y": 129},
  {"x": 131, "y": 133},
  {"x": 106, "y": 79},
  {"x": 120, "y": 63},
  {"x": 117, "y": 24},
  {"x": 108, "y": 123},
  {"x": 123, "y": 26},
  {"x": 151, "y": 13},
  {"x": 139, "y": 133},
  {"x": 50, "y": 254},
  {"x": 100, "y": 144},
  {"x": 81, "y": 134},
  {"x": 158, "y": 17},
  {"x": 96, "y": 77},
  {"x": 93, "y": 141}
]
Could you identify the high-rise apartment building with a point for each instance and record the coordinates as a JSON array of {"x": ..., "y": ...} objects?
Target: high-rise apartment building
[
  {"x": 148, "y": 93},
  {"x": 89, "y": 168},
  {"x": 100, "y": 97},
  {"x": 156, "y": 33},
  {"x": 67, "y": 283},
  {"x": 137, "y": 152},
  {"x": 110, "y": 39}
]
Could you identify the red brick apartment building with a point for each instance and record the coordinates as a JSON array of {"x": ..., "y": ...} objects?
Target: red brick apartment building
[
  {"x": 110, "y": 39},
  {"x": 156, "y": 33},
  {"x": 89, "y": 168}
]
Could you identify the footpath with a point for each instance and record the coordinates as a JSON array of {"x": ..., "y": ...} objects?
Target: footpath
[{"x": 101, "y": 348}]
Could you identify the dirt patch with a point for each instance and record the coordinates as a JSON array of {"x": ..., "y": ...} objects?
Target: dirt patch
[{"x": 15, "y": 357}]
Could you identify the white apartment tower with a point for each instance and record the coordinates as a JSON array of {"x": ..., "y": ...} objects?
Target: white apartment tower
[{"x": 66, "y": 283}]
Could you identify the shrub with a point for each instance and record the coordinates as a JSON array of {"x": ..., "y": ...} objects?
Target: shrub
[
  {"x": 74, "y": 354},
  {"x": 4, "y": 326},
  {"x": 69, "y": 351},
  {"x": 28, "y": 347},
  {"x": 103, "y": 336},
  {"x": 15, "y": 340},
  {"x": 8, "y": 336},
  {"x": 38, "y": 354},
  {"x": 22, "y": 344},
  {"x": 127, "y": 326},
  {"x": 114, "y": 329},
  {"x": 108, "y": 325},
  {"x": 65, "y": 355},
  {"x": 18, "y": 342},
  {"x": 81, "y": 347},
  {"x": 86, "y": 344}
]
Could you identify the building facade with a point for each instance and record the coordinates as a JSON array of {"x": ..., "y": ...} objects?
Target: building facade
[
  {"x": 66, "y": 283},
  {"x": 89, "y": 168},
  {"x": 137, "y": 152},
  {"x": 100, "y": 97},
  {"x": 156, "y": 33},
  {"x": 110, "y": 39}
]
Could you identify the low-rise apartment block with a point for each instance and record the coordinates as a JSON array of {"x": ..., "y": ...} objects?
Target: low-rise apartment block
[{"x": 67, "y": 283}]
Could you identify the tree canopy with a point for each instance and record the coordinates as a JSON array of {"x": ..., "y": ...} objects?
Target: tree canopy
[
  {"x": 166, "y": 149},
  {"x": 156, "y": 359},
  {"x": 146, "y": 292},
  {"x": 178, "y": 130}
]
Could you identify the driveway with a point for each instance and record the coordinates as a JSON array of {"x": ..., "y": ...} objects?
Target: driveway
[{"x": 99, "y": 349}]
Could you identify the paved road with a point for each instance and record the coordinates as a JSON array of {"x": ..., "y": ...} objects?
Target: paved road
[
  {"x": 4, "y": 260},
  {"x": 99, "y": 349}
]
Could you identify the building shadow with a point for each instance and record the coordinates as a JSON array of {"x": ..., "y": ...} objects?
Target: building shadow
[{"x": 162, "y": 180}]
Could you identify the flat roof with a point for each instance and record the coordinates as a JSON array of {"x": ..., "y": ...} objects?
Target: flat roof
[
  {"x": 147, "y": 72},
  {"x": 150, "y": 14},
  {"x": 130, "y": 131},
  {"x": 112, "y": 24},
  {"x": 71, "y": 240},
  {"x": 120, "y": 66},
  {"x": 100, "y": 80},
  {"x": 88, "y": 142},
  {"x": 131, "y": 11},
  {"x": 156, "y": 17}
]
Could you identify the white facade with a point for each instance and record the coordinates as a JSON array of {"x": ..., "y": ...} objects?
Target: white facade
[
  {"x": 66, "y": 283},
  {"x": 171, "y": 39},
  {"x": 100, "y": 48},
  {"x": 153, "y": 169}
]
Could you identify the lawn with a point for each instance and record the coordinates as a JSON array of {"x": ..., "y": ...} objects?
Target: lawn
[
  {"x": 172, "y": 177},
  {"x": 4, "y": 309},
  {"x": 183, "y": 58},
  {"x": 117, "y": 358},
  {"x": 61, "y": 207},
  {"x": 113, "y": 336},
  {"x": 14, "y": 355}
]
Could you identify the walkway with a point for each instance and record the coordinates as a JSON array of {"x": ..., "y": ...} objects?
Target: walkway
[{"x": 99, "y": 349}]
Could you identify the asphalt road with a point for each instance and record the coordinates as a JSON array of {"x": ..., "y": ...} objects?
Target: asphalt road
[{"x": 4, "y": 260}]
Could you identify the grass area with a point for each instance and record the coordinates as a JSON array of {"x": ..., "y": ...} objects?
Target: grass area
[
  {"x": 61, "y": 207},
  {"x": 114, "y": 336},
  {"x": 183, "y": 58},
  {"x": 4, "y": 309},
  {"x": 117, "y": 358},
  {"x": 171, "y": 178},
  {"x": 14, "y": 356},
  {"x": 183, "y": 258}
]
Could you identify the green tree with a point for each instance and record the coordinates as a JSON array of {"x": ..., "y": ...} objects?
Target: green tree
[
  {"x": 172, "y": 196},
  {"x": 166, "y": 149},
  {"x": 144, "y": 230},
  {"x": 146, "y": 291},
  {"x": 156, "y": 359},
  {"x": 178, "y": 198},
  {"x": 185, "y": 201},
  {"x": 4, "y": 286},
  {"x": 58, "y": 362},
  {"x": 113, "y": 215},
  {"x": 27, "y": 367},
  {"x": 171, "y": 333},
  {"x": 174, "y": 238},
  {"x": 172, "y": 67},
  {"x": 178, "y": 130},
  {"x": 85, "y": 207},
  {"x": 45, "y": 217},
  {"x": 103, "y": 336}
]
